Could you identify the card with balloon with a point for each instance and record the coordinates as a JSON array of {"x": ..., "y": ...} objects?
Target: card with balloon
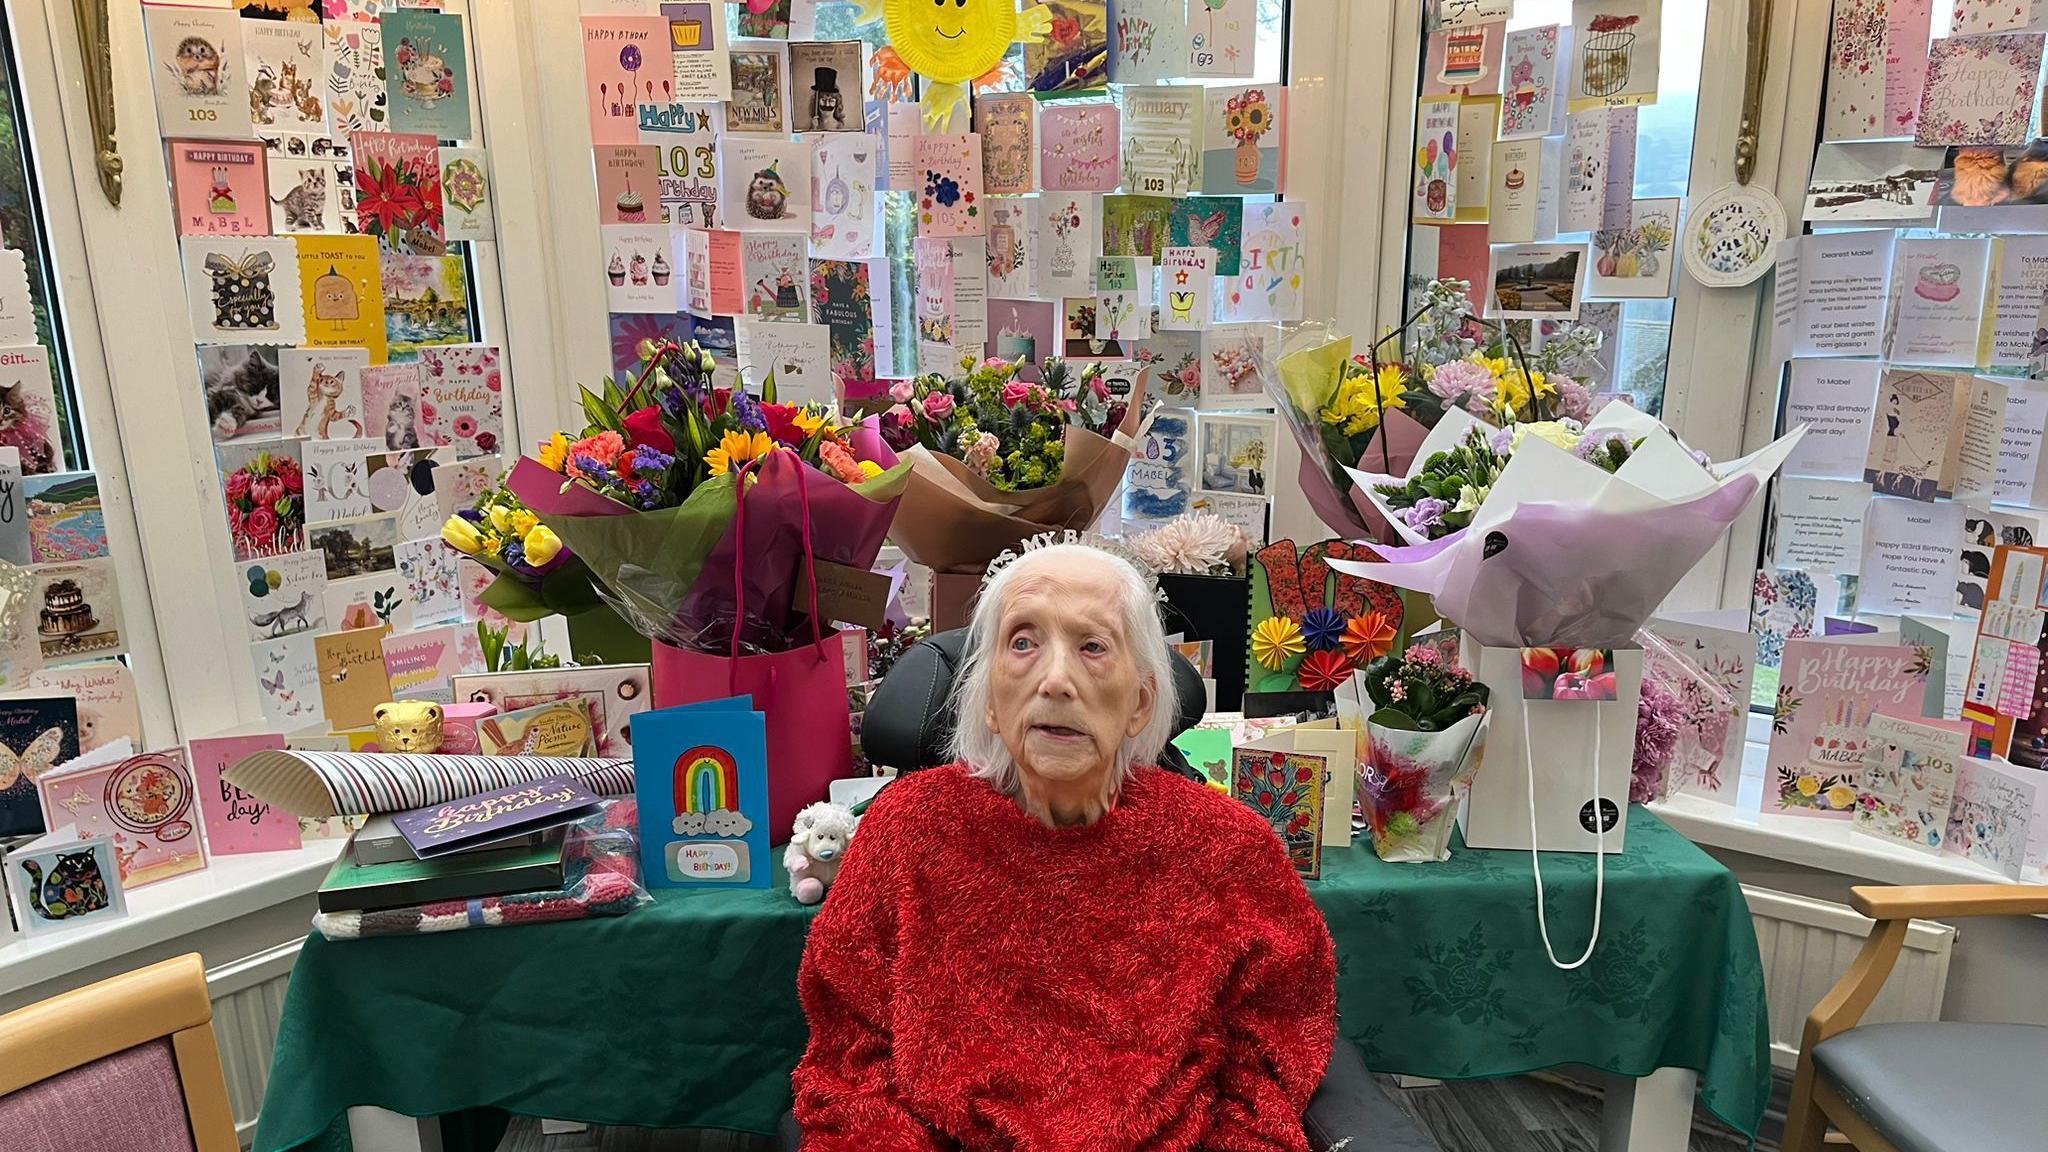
[{"x": 702, "y": 788}]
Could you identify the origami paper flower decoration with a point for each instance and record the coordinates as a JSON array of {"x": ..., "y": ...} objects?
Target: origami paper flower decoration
[
  {"x": 1275, "y": 641},
  {"x": 1324, "y": 628},
  {"x": 1324, "y": 670},
  {"x": 1368, "y": 637}
]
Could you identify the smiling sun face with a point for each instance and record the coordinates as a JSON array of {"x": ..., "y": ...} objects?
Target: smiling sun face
[{"x": 951, "y": 41}]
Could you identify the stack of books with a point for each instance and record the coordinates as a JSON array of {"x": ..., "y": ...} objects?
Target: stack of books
[{"x": 494, "y": 844}]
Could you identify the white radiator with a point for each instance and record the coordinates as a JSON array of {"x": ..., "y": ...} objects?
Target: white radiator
[
  {"x": 1807, "y": 944},
  {"x": 248, "y": 1002}
]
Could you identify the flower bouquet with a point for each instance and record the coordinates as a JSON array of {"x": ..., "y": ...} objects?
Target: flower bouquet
[
  {"x": 536, "y": 575},
  {"x": 995, "y": 460},
  {"x": 266, "y": 506},
  {"x": 1568, "y": 553},
  {"x": 704, "y": 516},
  {"x": 1370, "y": 413},
  {"x": 1427, "y": 733}
]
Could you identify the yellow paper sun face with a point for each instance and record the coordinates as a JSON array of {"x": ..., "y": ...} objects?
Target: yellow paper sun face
[{"x": 951, "y": 41}]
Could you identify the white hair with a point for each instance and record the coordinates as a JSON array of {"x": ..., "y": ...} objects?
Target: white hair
[{"x": 983, "y": 750}]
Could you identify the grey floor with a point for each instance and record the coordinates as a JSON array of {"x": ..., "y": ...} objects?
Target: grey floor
[{"x": 1523, "y": 1114}]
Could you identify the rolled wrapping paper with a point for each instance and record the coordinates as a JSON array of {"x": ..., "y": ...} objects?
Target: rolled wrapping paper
[{"x": 367, "y": 783}]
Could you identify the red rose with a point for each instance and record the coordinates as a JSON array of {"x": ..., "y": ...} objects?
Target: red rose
[
  {"x": 782, "y": 426},
  {"x": 234, "y": 520},
  {"x": 715, "y": 406},
  {"x": 294, "y": 481},
  {"x": 644, "y": 428},
  {"x": 261, "y": 525},
  {"x": 266, "y": 490},
  {"x": 238, "y": 486}
]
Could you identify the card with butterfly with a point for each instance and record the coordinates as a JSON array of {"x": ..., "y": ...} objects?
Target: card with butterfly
[
  {"x": 37, "y": 733},
  {"x": 288, "y": 681}
]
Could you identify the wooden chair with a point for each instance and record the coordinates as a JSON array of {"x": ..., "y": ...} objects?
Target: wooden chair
[
  {"x": 127, "y": 1063},
  {"x": 1946, "y": 1086}
]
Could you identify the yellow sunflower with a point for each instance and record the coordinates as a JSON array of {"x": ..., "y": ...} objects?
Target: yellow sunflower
[
  {"x": 736, "y": 449},
  {"x": 554, "y": 452}
]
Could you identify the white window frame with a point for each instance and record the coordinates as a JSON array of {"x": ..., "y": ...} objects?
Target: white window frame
[{"x": 101, "y": 270}]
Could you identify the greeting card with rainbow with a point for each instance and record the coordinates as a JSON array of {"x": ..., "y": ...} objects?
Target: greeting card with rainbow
[{"x": 701, "y": 779}]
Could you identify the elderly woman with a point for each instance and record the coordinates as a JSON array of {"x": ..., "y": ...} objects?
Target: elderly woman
[{"x": 1051, "y": 944}]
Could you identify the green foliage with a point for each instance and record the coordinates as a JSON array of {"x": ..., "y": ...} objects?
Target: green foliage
[{"x": 501, "y": 656}]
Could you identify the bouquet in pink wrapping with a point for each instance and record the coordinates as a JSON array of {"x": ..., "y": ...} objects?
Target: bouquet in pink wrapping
[
  {"x": 1556, "y": 535},
  {"x": 696, "y": 509}
]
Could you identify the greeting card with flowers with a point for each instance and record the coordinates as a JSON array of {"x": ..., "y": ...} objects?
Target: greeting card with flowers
[
  {"x": 1980, "y": 89},
  {"x": 1827, "y": 693},
  {"x": 1909, "y": 779},
  {"x": 398, "y": 191},
  {"x": 147, "y": 804},
  {"x": 1079, "y": 149},
  {"x": 950, "y": 199},
  {"x": 1285, "y": 787},
  {"x": 462, "y": 390},
  {"x": 1012, "y": 233},
  {"x": 840, "y": 301},
  {"x": 1244, "y": 140},
  {"x": 265, "y": 497},
  {"x": 1069, "y": 236},
  {"x": 1529, "y": 104}
]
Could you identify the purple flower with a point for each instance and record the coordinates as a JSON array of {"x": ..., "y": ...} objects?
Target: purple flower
[
  {"x": 647, "y": 458},
  {"x": 1502, "y": 441},
  {"x": 514, "y": 554},
  {"x": 471, "y": 515},
  {"x": 595, "y": 470},
  {"x": 1600, "y": 444},
  {"x": 1427, "y": 513},
  {"x": 1574, "y": 400},
  {"x": 747, "y": 411},
  {"x": 672, "y": 401}
]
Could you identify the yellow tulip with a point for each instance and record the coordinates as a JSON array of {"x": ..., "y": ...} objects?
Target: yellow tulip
[
  {"x": 462, "y": 536},
  {"x": 542, "y": 545},
  {"x": 523, "y": 522}
]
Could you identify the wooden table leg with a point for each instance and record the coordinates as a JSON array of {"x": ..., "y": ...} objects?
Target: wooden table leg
[
  {"x": 1653, "y": 1114},
  {"x": 381, "y": 1130}
]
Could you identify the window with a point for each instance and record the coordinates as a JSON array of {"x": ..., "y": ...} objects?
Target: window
[
  {"x": 22, "y": 230},
  {"x": 1637, "y": 332}
]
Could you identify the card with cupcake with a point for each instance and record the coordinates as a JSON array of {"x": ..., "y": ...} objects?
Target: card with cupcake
[
  {"x": 633, "y": 254},
  {"x": 628, "y": 183},
  {"x": 1828, "y": 691}
]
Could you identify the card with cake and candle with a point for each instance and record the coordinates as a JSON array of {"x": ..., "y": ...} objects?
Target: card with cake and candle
[{"x": 1827, "y": 692}]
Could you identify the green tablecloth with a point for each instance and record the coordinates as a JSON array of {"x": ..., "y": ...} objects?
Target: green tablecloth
[{"x": 684, "y": 1014}]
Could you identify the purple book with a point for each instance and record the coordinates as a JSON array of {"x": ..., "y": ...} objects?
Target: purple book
[{"x": 459, "y": 825}]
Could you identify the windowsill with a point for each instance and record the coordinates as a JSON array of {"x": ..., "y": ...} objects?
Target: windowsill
[
  {"x": 1827, "y": 845},
  {"x": 229, "y": 887}
]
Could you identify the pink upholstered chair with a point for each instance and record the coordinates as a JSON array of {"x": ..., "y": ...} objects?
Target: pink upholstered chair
[{"x": 127, "y": 1063}]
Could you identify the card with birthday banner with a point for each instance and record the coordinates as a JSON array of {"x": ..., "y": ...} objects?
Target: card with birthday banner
[
  {"x": 1312, "y": 627},
  {"x": 702, "y": 787}
]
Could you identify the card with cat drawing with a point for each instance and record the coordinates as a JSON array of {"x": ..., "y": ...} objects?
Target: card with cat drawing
[
  {"x": 64, "y": 881},
  {"x": 391, "y": 404},
  {"x": 145, "y": 802},
  {"x": 304, "y": 194},
  {"x": 240, "y": 384},
  {"x": 323, "y": 392},
  {"x": 342, "y": 293},
  {"x": 220, "y": 188}
]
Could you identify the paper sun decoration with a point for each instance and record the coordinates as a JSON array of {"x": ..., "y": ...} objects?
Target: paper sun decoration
[{"x": 952, "y": 44}]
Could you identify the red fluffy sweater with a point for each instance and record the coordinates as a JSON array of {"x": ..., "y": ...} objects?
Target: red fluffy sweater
[{"x": 1158, "y": 981}]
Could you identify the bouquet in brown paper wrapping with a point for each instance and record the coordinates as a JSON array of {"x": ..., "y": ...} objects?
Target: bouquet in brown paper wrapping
[{"x": 995, "y": 459}]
